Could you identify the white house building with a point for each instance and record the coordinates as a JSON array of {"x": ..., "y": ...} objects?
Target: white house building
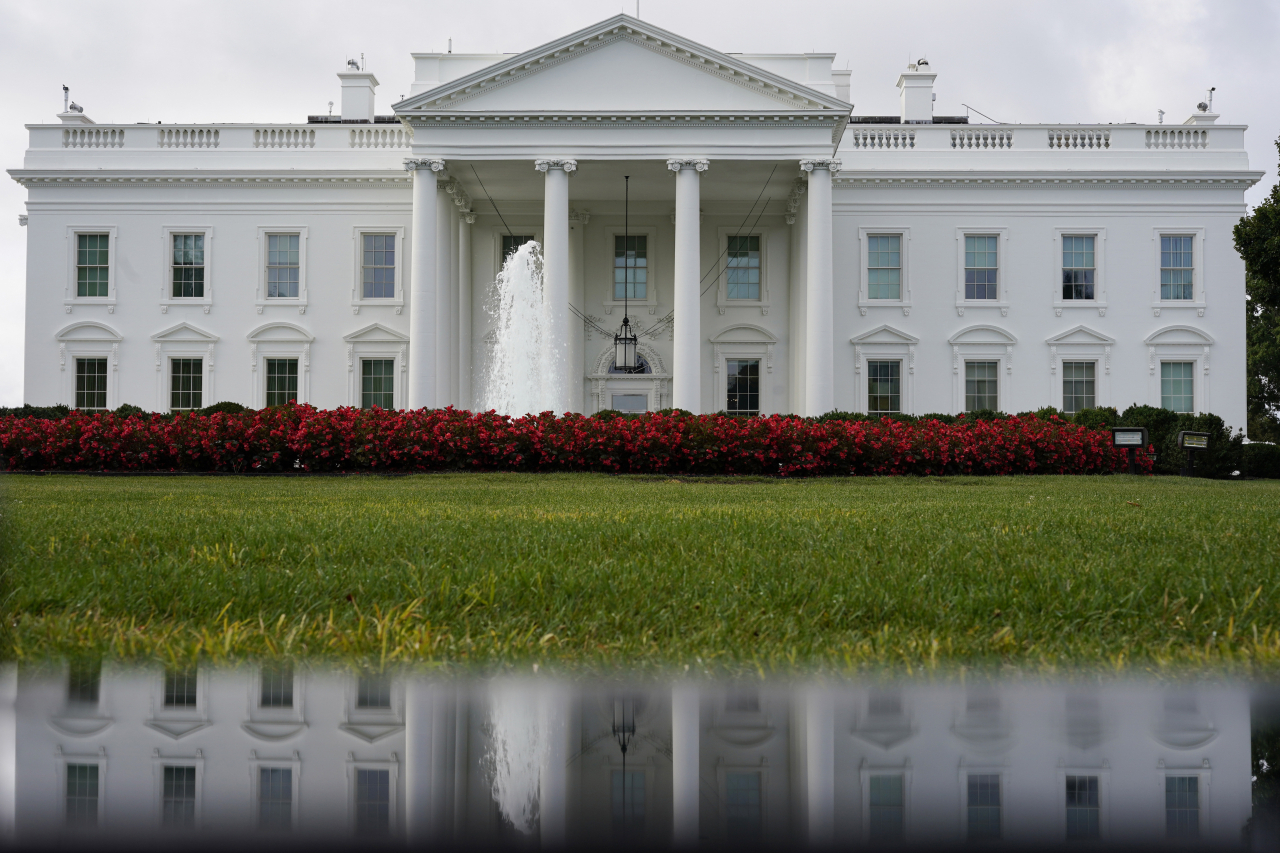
[{"x": 783, "y": 254}]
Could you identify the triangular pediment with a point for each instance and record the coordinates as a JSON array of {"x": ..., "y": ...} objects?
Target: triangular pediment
[
  {"x": 88, "y": 330},
  {"x": 280, "y": 332},
  {"x": 745, "y": 333},
  {"x": 621, "y": 64},
  {"x": 885, "y": 335},
  {"x": 375, "y": 332},
  {"x": 982, "y": 335},
  {"x": 185, "y": 332},
  {"x": 1081, "y": 335},
  {"x": 1179, "y": 335}
]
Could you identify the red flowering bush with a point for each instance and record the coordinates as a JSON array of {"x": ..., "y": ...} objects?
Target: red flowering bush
[{"x": 303, "y": 438}]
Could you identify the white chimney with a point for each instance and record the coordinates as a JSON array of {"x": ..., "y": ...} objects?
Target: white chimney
[
  {"x": 841, "y": 78},
  {"x": 1202, "y": 115},
  {"x": 75, "y": 115},
  {"x": 357, "y": 94},
  {"x": 916, "y": 88}
]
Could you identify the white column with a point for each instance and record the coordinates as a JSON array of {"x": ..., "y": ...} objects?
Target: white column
[
  {"x": 819, "y": 348},
  {"x": 795, "y": 217},
  {"x": 686, "y": 370},
  {"x": 418, "y": 752},
  {"x": 422, "y": 283},
  {"x": 555, "y": 268},
  {"x": 444, "y": 318},
  {"x": 553, "y": 793},
  {"x": 820, "y": 767},
  {"x": 686, "y": 728},
  {"x": 578, "y": 221},
  {"x": 466, "y": 398},
  {"x": 8, "y": 753}
]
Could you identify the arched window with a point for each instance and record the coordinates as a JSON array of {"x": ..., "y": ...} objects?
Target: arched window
[{"x": 643, "y": 363}]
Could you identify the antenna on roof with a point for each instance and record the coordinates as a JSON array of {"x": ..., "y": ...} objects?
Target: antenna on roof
[
  {"x": 1212, "y": 89},
  {"x": 331, "y": 109},
  {"x": 66, "y": 97},
  {"x": 361, "y": 61},
  {"x": 979, "y": 112},
  {"x": 451, "y": 45}
]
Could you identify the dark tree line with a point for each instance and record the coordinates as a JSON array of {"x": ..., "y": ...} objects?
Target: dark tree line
[{"x": 1258, "y": 241}]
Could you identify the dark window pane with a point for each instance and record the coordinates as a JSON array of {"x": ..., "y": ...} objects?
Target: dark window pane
[
  {"x": 377, "y": 383},
  {"x": 84, "y": 682},
  {"x": 743, "y": 382},
  {"x": 187, "y": 383},
  {"x": 373, "y": 691},
  {"x": 91, "y": 383},
  {"x": 180, "y": 688},
  {"x": 282, "y": 381},
  {"x": 275, "y": 798},
  {"x": 82, "y": 795},
  {"x": 984, "y": 806},
  {"x": 884, "y": 387},
  {"x": 277, "y": 686},
  {"x": 630, "y": 267},
  {"x": 373, "y": 802},
  {"x": 178, "y": 803}
]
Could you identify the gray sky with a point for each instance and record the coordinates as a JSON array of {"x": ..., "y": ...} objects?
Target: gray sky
[{"x": 228, "y": 61}]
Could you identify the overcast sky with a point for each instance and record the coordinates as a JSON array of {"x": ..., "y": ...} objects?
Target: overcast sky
[{"x": 269, "y": 61}]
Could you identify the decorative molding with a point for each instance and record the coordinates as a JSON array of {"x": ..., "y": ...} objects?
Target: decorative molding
[
  {"x": 1053, "y": 360},
  {"x": 583, "y": 216},
  {"x": 413, "y": 164},
  {"x": 1035, "y": 182},
  {"x": 546, "y": 165},
  {"x": 676, "y": 164},
  {"x": 830, "y": 164},
  {"x": 1151, "y": 360},
  {"x": 62, "y": 356},
  {"x": 318, "y": 180},
  {"x": 1107, "y": 359},
  {"x": 955, "y": 359},
  {"x": 253, "y": 357}
]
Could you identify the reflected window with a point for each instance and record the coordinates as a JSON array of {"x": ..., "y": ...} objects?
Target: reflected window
[
  {"x": 275, "y": 798},
  {"x": 1082, "y": 807},
  {"x": 82, "y": 795},
  {"x": 373, "y": 691},
  {"x": 180, "y": 688},
  {"x": 628, "y": 804},
  {"x": 984, "y": 805},
  {"x": 84, "y": 682},
  {"x": 277, "y": 686},
  {"x": 884, "y": 705},
  {"x": 886, "y": 802},
  {"x": 1182, "y": 806},
  {"x": 743, "y": 702},
  {"x": 178, "y": 807},
  {"x": 743, "y": 806},
  {"x": 373, "y": 802}
]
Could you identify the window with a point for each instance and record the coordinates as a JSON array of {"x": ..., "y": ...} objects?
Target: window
[
  {"x": 743, "y": 806},
  {"x": 1176, "y": 268},
  {"x": 884, "y": 266},
  {"x": 1182, "y": 806},
  {"x": 379, "y": 267},
  {"x": 1077, "y": 386},
  {"x": 744, "y": 386},
  {"x": 1177, "y": 385},
  {"x": 1077, "y": 267},
  {"x": 1082, "y": 807},
  {"x": 631, "y": 402},
  {"x": 884, "y": 387},
  {"x": 92, "y": 269},
  {"x": 377, "y": 376},
  {"x": 277, "y": 686},
  {"x": 373, "y": 691},
  {"x": 82, "y": 795},
  {"x": 885, "y": 817},
  {"x": 282, "y": 266},
  {"x": 91, "y": 383},
  {"x": 178, "y": 804},
  {"x": 84, "y": 682},
  {"x": 373, "y": 802},
  {"x": 275, "y": 798},
  {"x": 188, "y": 266},
  {"x": 282, "y": 381},
  {"x": 981, "y": 386},
  {"x": 188, "y": 379},
  {"x": 630, "y": 267},
  {"x": 628, "y": 804},
  {"x": 742, "y": 268},
  {"x": 742, "y": 701},
  {"x": 511, "y": 242},
  {"x": 980, "y": 267},
  {"x": 984, "y": 806},
  {"x": 180, "y": 688}
]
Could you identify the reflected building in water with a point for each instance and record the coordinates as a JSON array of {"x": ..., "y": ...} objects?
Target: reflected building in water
[{"x": 120, "y": 754}]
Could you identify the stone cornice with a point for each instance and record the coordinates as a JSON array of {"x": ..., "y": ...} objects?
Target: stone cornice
[
  {"x": 663, "y": 118},
  {"x": 100, "y": 177},
  {"x": 1041, "y": 180}
]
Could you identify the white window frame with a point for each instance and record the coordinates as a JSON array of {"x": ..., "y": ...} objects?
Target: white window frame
[
  {"x": 743, "y": 340},
  {"x": 372, "y": 724},
  {"x": 657, "y": 385},
  {"x": 61, "y": 760},
  {"x": 723, "y": 301},
  {"x": 1103, "y": 773},
  {"x": 650, "y": 302},
  {"x": 1196, "y": 350},
  {"x": 178, "y": 723},
  {"x": 1205, "y": 774},
  {"x": 722, "y": 788},
  {"x": 257, "y": 763},
  {"x": 879, "y": 345},
  {"x": 864, "y": 256},
  {"x": 279, "y": 340},
  {"x": 1002, "y": 270},
  {"x": 358, "y": 299},
  {"x": 967, "y": 770},
  {"x": 167, "y": 299},
  {"x": 88, "y": 339},
  {"x": 865, "y": 772},
  {"x": 377, "y": 341},
  {"x": 69, "y": 298},
  {"x": 1099, "y": 301},
  {"x": 536, "y": 231},
  {"x": 262, "y": 301},
  {"x": 274, "y": 724},
  {"x": 158, "y": 763},
  {"x": 986, "y": 343},
  {"x": 645, "y": 766},
  {"x": 1197, "y": 301},
  {"x": 392, "y": 766},
  {"x": 1061, "y": 349}
]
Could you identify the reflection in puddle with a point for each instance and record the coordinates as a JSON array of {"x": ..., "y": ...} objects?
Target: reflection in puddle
[{"x": 138, "y": 755}]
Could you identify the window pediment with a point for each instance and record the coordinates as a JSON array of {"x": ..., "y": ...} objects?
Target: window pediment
[
  {"x": 982, "y": 335},
  {"x": 375, "y": 332},
  {"x": 885, "y": 335},
  {"x": 88, "y": 331},
  {"x": 184, "y": 332},
  {"x": 1175, "y": 335},
  {"x": 280, "y": 332},
  {"x": 1081, "y": 335},
  {"x": 744, "y": 333}
]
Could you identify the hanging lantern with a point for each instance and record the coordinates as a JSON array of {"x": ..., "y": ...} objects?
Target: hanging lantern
[
  {"x": 624, "y": 349},
  {"x": 624, "y": 723}
]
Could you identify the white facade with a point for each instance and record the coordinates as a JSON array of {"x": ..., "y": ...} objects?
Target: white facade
[{"x": 718, "y": 147}]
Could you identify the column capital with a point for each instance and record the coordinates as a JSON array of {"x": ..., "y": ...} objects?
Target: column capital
[
  {"x": 468, "y": 217},
  {"x": 544, "y": 165},
  {"x": 432, "y": 163},
  {"x": 676, "y": 164},
  {"x": 830, "y": 165}
]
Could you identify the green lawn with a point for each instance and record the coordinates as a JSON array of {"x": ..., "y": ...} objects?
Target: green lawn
[{"x": 588, "y": 572}]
